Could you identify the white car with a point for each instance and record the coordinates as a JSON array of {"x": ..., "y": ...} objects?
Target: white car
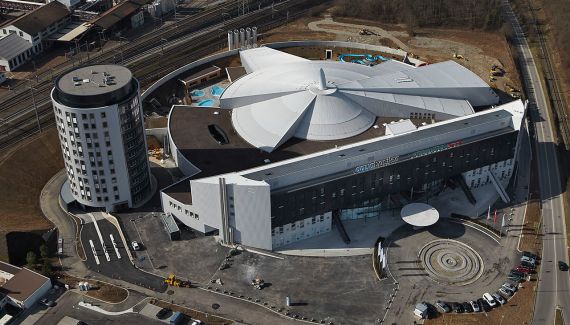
[
  {"x": 528, "y": 260},
  {"x": 475, "y": 306},
  {"x": 136, "y": 246},
  {"x": 197, "y": 322},
  {"x": 489, "y": 299}
]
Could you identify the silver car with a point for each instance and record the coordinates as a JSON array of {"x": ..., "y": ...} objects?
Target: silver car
[
  {"x": 499, "y": 298},
  {"x": 509, "y": 286},
  {"x": 505, "y": 292}
]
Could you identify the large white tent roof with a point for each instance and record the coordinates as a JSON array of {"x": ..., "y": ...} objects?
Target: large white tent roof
[{"x": 285, "y": 96}]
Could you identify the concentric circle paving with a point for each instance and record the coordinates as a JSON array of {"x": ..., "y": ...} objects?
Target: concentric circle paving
[{"x": 450, "y": 261}]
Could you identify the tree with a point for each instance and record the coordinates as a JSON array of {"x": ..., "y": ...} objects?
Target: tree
[
  {"x": 46, "y": 268},
  {"x": 44, "y": 251},
  {"x": 31, "y": 259}
]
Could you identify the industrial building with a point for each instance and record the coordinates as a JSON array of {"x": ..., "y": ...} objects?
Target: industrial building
[
  {"x": 101, "y": 130},
  {"x": 33, "y": 28},
  {"x": 297, "y": 146}
]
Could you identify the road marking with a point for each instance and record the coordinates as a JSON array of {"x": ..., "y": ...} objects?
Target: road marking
[
  {"x": 94, "y": 251},
  {"x": 115, "y": 246},
  {"x": 100, "y": 238}
]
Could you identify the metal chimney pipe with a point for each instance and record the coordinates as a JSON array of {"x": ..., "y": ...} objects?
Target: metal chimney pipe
[
  {"x": 248, "y": 43},
  {"x": 230, "y": 40}
]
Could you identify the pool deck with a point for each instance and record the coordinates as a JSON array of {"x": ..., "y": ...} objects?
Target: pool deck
[{"x": 208, "y": 95}]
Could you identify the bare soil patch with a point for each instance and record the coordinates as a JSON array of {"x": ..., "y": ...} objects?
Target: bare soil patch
[
  {"x": 24, "y": 170},
  {"x": 100, "y": 290}
]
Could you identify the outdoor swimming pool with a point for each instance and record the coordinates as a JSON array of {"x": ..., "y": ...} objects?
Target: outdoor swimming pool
[
  {"x": 197, "y": 93},
  {"x": 206, "y": 103},
  {"x": 217, "y": 90}
]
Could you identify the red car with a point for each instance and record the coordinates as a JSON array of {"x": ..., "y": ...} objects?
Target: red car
[{"x": 523, "y": 269}]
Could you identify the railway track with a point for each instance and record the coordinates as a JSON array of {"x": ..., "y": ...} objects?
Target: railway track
[{"x": 147, "y": 65}]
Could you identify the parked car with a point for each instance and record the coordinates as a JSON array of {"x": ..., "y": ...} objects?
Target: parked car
[
  {"x": 523, "y": 269},
  {"x": 443, "y": 306},
  {"x": 162, "y": 313},
  {"x": 528, "y": 265},
  {"x": 46, "y": 302},
  {"x": 489, "y": 299},
  {"x": 499, "y": 298},
  {"x": 514, "y": 278},
  {"x": 475, "y": 306},
  {"x": 467, "y": 307},
  {"x": 517, "y": 273},
  {"x": 510, "y": 286},
  {"x": 421, "y": 310},
  {"x": 197, "y": 322},
  {"x": 529, "y": 255},
  {"x": 484, "y": 304},
  {"x": 456, "y": 307},
  {"x": 528, "y": 259},
  {"x": 135, "y": 245},
  {"x": 505, "y": 292},
  {"x": 562, "y": 266}
]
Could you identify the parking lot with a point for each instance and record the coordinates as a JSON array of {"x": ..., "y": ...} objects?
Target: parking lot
[
  {"x": 466, "y": 264},
  {"x": 194, "y": 257},
  {"x": 112, "y": 260}
]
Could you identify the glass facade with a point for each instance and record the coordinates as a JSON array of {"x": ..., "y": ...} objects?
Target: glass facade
[
  {"x": 133, "y": 135},
  {"x": 372, "y": 184}
]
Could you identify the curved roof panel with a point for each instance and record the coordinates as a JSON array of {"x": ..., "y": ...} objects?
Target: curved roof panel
[{"x": 285, "y": 96}]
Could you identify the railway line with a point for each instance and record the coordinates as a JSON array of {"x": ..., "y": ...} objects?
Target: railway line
[{"x": 147, "y": 64}]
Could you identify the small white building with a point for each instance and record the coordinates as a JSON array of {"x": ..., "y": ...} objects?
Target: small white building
[
  {"x": 36, "y": 26},
  {"x": 14, "y": 51},
  {"x": 22, "y": 287}
]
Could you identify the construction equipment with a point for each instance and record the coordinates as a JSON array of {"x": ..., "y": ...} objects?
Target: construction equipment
[
  {"x": 458, "y": 56},
  {"x": 174, "y": 282},
  {"x": 511, "y": 89},
  {"x": 366, "y": 32},
  {"x": 258, "y": 283}
]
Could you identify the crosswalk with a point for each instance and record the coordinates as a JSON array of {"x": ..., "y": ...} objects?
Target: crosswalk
[{"x": 100, "y": 242}]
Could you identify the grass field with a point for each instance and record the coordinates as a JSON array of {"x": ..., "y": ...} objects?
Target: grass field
[{"x": 24, "y": 170}]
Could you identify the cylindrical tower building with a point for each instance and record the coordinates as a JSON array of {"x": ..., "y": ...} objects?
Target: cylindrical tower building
[{"x": 100, "y": 123}]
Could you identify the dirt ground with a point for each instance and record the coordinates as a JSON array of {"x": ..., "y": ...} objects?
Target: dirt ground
[
  {"x": 24, "y": 170},
  {"x": 100, "y": 290}
]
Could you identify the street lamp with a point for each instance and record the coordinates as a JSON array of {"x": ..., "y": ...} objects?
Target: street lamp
[
  {"x": 162, "y": 41},
  {"x": 35, "y": 107}
]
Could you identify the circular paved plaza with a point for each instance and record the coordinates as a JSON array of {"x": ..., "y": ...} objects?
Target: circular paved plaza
[{"x": 451, "y": 261}]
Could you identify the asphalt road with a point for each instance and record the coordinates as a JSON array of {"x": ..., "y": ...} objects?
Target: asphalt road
[
  {"x": 68, "y": 306},
  {"x": 115, "y": 267},
  {"x": 554, "y": 285}
]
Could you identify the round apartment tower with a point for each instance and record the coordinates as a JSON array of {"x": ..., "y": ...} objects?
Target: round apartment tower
[{"x": 100, "y": 123}]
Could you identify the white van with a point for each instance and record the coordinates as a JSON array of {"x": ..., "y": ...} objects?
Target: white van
[
  {"x": 421, "y": 310},
  {"x": 489, "y": 299}
]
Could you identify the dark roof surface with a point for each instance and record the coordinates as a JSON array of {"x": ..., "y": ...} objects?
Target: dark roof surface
[
  {"x": 189, "y": 130},
  {"x": 12, "y": 45},
  {"x": 23, "y": 284},
  {"x": 112, "y": 16},
  {"x": 180, "y": 191},
  {"x": 201, "y": 73},
  {"x": 42, "y": 17},
  {"x": 9, "y": 268}
]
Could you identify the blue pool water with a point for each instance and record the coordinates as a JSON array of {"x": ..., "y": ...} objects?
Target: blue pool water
[
  {"x": 206, "y": 103},
  {"x": 197, "y": 93},
  {"x": 217, "y": 90}
]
